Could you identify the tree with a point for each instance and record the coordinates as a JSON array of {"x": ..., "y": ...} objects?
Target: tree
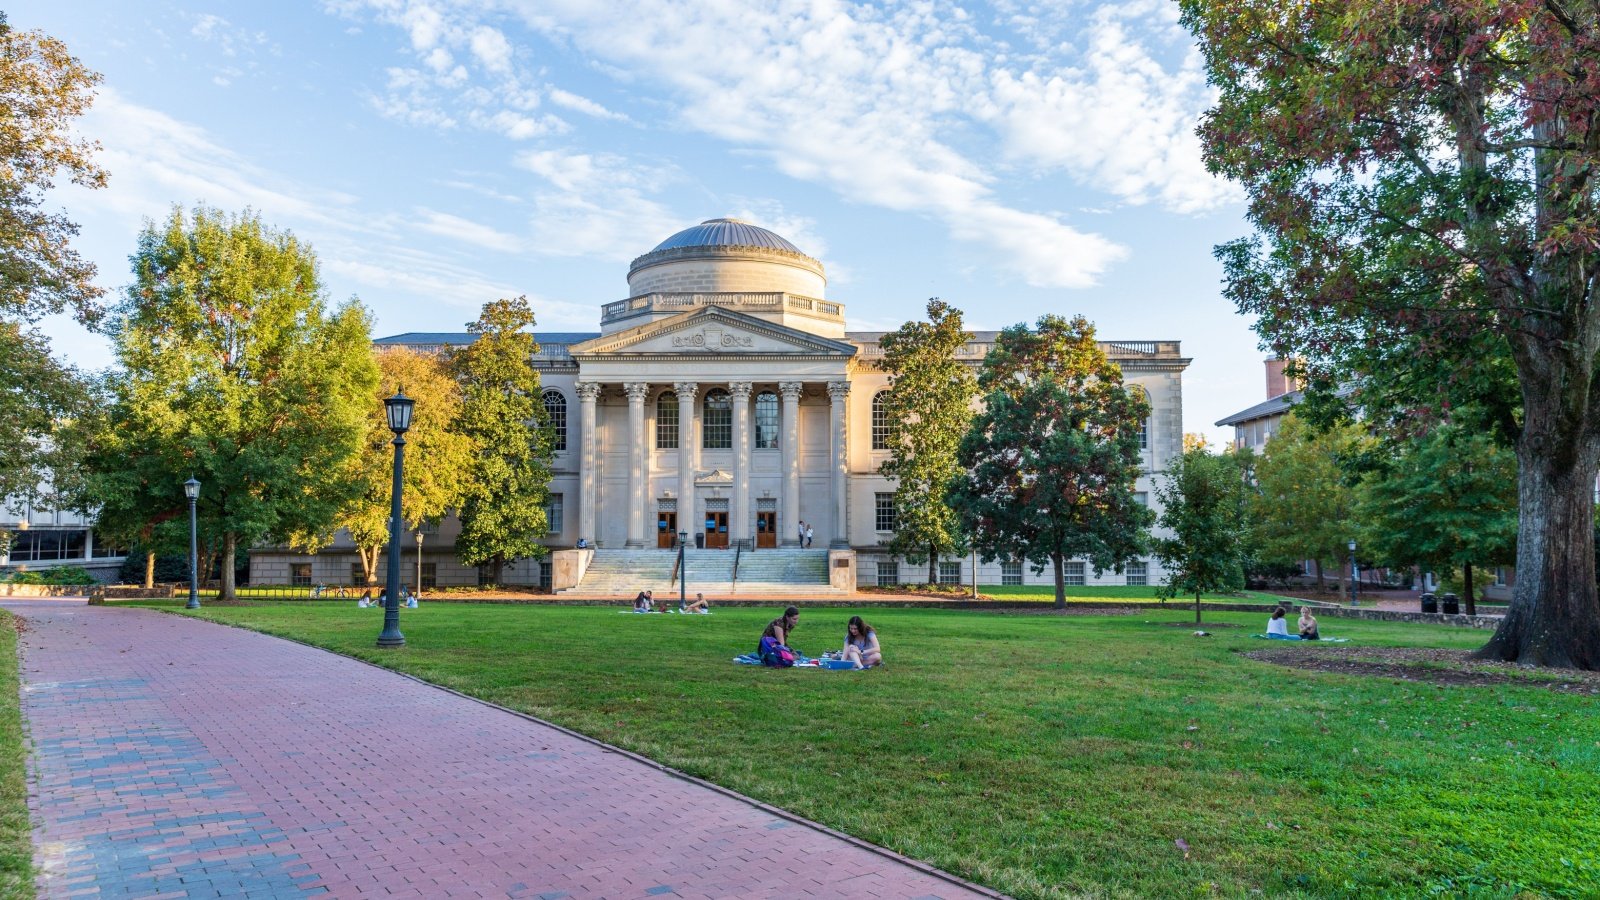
[
  {"x": 438, "y": 458},
  {"x": 39, "y": 399},
  {"x": 1423, "y": 174},
  {"x": 503, "y": 508},
  {"x": 235, "y": 371},
  {"x": 1447, "y": 500},
  {"x": 927, "y": 410},
  {"x": 1203, "y": 509},
  {"x": 1050, "y": 463},
  {"x": 1302, "y": 506}
]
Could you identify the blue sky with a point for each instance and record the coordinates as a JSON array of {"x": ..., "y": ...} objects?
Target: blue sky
[{"x": 1014, "y": 158}]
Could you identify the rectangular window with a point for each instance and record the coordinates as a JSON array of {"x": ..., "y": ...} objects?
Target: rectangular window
[
  {"x": 47, "y": 546},
  {"x": 546, "y": 575},
  {"x": 108, "y": 551},
  {"x": 1141, "y": 497},
  {"x": 667, "y": 422},
  {"x": 950, "y": 572},
  {"x": 716, "y": 421},
  {"x": 555, "y": 514},
  {"x": 430, "y": 575},
  {"x": 1138, "y": 572},
  {"x": 888, "y": 573},
  {"x": 1073, "y": 572},
  {"x": 884, "y": 519},
  {"x": 1144, "y": 434},
  {"x": 300, "y": 574},
  {"x": 766, "y": 421},
  {"x": 358, "y": 578},
  {"x": 1011, "y": 572}
]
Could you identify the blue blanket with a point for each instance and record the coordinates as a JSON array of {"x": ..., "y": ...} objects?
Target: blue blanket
[
  {"x": 1296, "y": 637},
  {"x": 750, "y": 659}
]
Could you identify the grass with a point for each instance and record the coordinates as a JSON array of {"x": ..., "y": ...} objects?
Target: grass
[
  {"x": 1128, "y": 593},
  {"x": 1055, "y": 756},
  {"x": 16, "y": 834}
]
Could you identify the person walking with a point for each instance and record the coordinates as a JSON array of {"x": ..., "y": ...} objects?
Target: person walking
[
  {"x": 802, "y": 535},
  {"x": 807, "y": 542}
]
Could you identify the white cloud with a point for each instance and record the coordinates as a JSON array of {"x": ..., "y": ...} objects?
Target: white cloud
[
  {"x": 596, "y": 204},
  {"x": 466, "y": 231},
  {"x": 584, "y": 105}
]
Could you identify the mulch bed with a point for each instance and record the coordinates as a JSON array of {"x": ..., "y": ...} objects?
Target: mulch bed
[
  {"x": 1203, "y": 626},
  {"x": 1427, "y": 665}
]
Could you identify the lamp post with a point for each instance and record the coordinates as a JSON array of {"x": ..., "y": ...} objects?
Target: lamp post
[
  {"x": 191, "y": 489},
  {"x": 683, "y": 590},
  {"x": 398, "y": 408},
  {"x": 1354, "y": 575},
  {"x": 419, "y": 563}
]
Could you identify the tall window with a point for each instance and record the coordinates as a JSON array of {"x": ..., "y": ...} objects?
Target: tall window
[
  {"x": 880, "y": 421},
  {"x": 430, "y": 575},
  {"x": 1144, "y": 423},
  {"x": 555, "y": 407},
  {"x": 766, "y": 421},
  {"x": 1072, "y": 573},
  {"x": 716, "y": 422},
  {"x": 884, "y": 517},
  {"x": 1138, "y": 572},
  {"x": 1011, "y": 572},
  {"x": 300, "y": 574},
  {"x": 888, "y": 573},
  {"x": 667, "y": 421},
  {"x": 949, "y": 572},
  {"x": 553, "y": 514}
]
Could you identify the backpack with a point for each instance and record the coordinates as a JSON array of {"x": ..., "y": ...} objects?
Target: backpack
[{"x": 776, "y": 655}]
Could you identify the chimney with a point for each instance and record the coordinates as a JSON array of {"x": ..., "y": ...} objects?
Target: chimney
[{"x": 1278, "y": 383}]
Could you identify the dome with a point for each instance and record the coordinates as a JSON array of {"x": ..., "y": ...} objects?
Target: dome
[{"x": 726, "y": 233}]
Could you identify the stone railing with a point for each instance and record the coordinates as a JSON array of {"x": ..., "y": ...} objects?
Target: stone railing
[{"x": 753, "y": 301}]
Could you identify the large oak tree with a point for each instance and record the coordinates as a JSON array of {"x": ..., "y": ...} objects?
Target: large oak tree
[{"x": 1422, "y": 174}]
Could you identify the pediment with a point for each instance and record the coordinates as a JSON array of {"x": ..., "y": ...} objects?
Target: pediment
[
  {"x": 713, "y": 478},
  {"x": 713, "y": 331}
]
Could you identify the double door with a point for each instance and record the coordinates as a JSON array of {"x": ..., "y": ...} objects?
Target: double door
[
  {"x": 767, "y": 528},
  {"x": 666, "y": 529},
  {"x": 716, "y": 529}
]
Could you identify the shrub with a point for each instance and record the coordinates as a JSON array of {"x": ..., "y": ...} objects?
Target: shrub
[{"x": 57, "y": 575}]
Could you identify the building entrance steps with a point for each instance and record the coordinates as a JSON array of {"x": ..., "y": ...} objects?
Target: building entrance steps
[
  {"x": 774, "y": 571},
  {"x": 176, "y": 757}
]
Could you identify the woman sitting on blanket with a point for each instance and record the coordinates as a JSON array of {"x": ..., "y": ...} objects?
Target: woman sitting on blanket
[
  {"x": 1278, "y": 626},
  {"x": 775, "y": 639},
  {"x": 1308, "y": 625},
  {"x": 861, "y": 644},
  {"x": 645, "y": 602},
  {"x": 698, "y": 606}
]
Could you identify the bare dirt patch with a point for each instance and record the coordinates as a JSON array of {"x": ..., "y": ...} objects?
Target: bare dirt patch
[
  {"x": 1427, "y": 665},
  {"x": 1203, "y": 626}
]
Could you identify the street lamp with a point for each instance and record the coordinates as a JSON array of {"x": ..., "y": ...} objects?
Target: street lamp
[
  {"x": 398, "y": 408},
  {"x": 191, "y": 489},
  {"x": 1354, "y": 575},
  {"x": 683, "y": 589},
  {"x": 419, "y": 562}
]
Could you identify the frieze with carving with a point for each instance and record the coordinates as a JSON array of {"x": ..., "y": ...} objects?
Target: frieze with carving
[{"x": 713, "y": 339}]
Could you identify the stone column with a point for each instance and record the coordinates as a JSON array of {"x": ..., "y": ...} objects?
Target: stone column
[
  {"x": 637, "y": 391},
  {"x": 838, "y": 394},
  {"x": 740, "y": 530},
  {"x": 688, "y": 458},
  {"x": 588, "y": 393},
  {"x": 789, "y": 517}
]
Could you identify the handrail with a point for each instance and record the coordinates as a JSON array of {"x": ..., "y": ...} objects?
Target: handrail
[
  {"x": 737, "y": 550},
  {"x": 673, "y": 579}
]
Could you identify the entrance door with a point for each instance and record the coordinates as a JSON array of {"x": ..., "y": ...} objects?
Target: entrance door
[
  {"x": 766, "y": 529},
  {"x": 717, "y": 529},
  {"x": 666, "y": 528}
]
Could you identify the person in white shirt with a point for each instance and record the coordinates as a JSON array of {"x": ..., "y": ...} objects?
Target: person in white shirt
[{"x": 1277, "y": 626}]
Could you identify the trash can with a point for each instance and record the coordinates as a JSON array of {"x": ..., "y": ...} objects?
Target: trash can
[
  {"x": 1452, "y": 605},
  {"x": 1430, "y": 603},
  {"x": 699, "y": 540}
]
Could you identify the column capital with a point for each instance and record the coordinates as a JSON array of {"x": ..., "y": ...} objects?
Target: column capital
[
  {"x": 791, "y": 390},
  {"x": 740, "y": 389},
  {"x": 637, "y": 391},
  {"x": 588, "y": 390},
  {"x": 838, "y": 390},
  {"x": 686, "y": 389}
]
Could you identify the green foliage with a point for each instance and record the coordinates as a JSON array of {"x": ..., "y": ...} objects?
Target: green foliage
[
  {"x": 16, "y": 832},
  {"x": 1061, "y": 756},
  {"x": 503, "y": 508},
  {"x": 929, "y": 408},
  {"x": 40, "y": 399},
  {"x": 1203, "y": 510},
  {"x": 1303, "y": 507},
  {"x": 234, "y": 370},
  {"x": 53, "y": 575},
  {"x": 1050, "y": 463}
]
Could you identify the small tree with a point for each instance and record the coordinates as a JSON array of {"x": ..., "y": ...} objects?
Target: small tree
[
  {"x": 235, "y": 371},
  {"x": 1302, "y": 507},
  {"x": 928, "y": 409},
  {"x": 503, "y": 506},
  {"x": 1202, "y": 498},
  {"x": 1051, "y": 462},
  {"x": 1447, "y": 500}
]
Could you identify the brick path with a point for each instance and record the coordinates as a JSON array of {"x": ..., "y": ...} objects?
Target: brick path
[{"x": 174, "y": 757}]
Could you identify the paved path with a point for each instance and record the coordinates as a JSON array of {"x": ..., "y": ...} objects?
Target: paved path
[{"x": 180, "y": 758}]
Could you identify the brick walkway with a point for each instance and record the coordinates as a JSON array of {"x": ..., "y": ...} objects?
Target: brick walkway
[{"x": 174, "y": 757}]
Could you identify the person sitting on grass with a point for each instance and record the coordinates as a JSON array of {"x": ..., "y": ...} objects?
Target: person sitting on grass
[
  {"x": 698, "y": 606},
  {"x": 1277, "y": 626},
  {"x": 861, "y": 644},
  {"x": 1308, "y": 625},
  {"x": 777, "y": 632},
  {"x": 644, "y": 602}
]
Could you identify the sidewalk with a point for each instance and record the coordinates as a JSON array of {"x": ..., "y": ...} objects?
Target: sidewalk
[{"x": 178, "y": 758}]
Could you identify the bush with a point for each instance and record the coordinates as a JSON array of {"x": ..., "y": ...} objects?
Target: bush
[
  {"x": 57, "y": 575},
  {"x": 168, "y": 568}
]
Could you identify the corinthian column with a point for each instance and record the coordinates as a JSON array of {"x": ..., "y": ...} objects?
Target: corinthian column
[
  {"x": 789, "y": 449},
  {"x": 688, "y": 459},
  {"x": 588, "y": 393},
  {"x": 636, "y": 461},
  {"x": 838, "y": 394},
  {"x": 740, "y": 392}
]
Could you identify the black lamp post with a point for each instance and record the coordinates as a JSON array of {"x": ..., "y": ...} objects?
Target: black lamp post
[
  {"x": 419, "y": 562},
  {"x": 191, "y": 489},
  {"x": 398, "y": 409},
  {"x": 1354, "y": 575},
  {"x": 683, "y": 590}
]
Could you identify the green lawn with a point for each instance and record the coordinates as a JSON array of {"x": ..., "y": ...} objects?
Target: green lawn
[
  {"x": 1130, "y": 593},
  {"x": 16, "y": 836},
  {"x": 1060, "y": 756}
]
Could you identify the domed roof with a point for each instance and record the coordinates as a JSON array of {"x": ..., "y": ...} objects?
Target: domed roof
[{"x": 726, "y": 233}]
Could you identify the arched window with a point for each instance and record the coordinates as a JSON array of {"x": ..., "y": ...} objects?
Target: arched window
[
  {"x": 555, "y": 409},
  {"x": 766, "y": 421},
  {"x": 1144, "y": 423},
  {"x": 667, "y": 421},
  {"x": 880, "y": 420},
  {"x": 716, "y": 421}
]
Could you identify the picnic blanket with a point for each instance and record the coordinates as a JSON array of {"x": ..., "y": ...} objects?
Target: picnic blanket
[
  {"x": 802, "y": 662},
  {"x": 704, "y": 612},
  {"x": 1296, "y": 637}
]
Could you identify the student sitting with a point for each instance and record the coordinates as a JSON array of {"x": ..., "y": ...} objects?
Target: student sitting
[
  {"x": 774, "y": 645},
  {"x": 861, "y": 644},
  {"x": 1308, "y": 625},
  {"x": 1278, "y": 626},
  {"x": 644, "y": 603},
  {"x": 698, "y": 606}
]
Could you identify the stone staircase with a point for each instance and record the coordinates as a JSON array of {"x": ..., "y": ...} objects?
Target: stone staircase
[
  {"x": 784, "y": 571},
  {"x": 628, "y": 572},
  {"x": 708, "y": 572}
]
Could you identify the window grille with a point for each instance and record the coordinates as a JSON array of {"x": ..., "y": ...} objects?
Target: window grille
[
  {"x": 885, "y": 519},
  {"x": 766, "y": 421},
  {"x": 667, "y": 421},
  {"x": 555, "y": 408},
  {"x": 950, "y": 572},
  {"x": 1011, "y": 572},
  {"x": 880, "y": 421},
  {"x": 554, "y": 514},
  {"x": 300, "y": 574},
  {"x": 716, "y": 422},
  {"x": 1138, "y": 572},
  {"x": 888, "y": 573},
  {"x": 1073, "y": 572},
  {"x": 430, "y": 575}
]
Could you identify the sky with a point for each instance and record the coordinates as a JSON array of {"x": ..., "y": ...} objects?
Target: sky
[{"x": 1014, "y": 159}]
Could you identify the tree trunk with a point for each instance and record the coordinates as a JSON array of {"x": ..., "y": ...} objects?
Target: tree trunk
[
  {"x": 933, "y": 567},
  {"x": 230, "y": 546},
  {"x": 1466, "y": 589},
  {"x": 149, "y": 570},
  {"x": 1197, "y": 607},
  {"x": 369, "y": 564},
  {"x": 1554, "y": 618},
  {"x": 1061, "y": 580},
  {"x": 495, "y": 566},
  {"x": 1321, "y": 582}
]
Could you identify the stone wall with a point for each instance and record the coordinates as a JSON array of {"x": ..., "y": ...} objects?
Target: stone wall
[{"x": 1416, "y": 618}]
